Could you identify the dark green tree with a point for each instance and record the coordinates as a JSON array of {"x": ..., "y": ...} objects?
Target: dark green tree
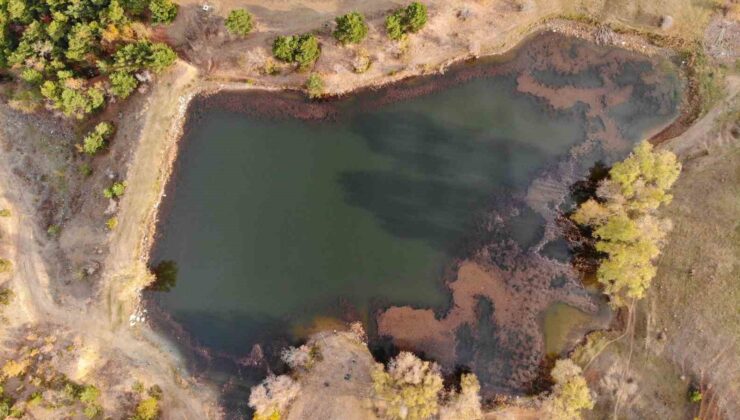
[
  {"x": 239, "y": 22},
  {"x": 307, "y": 52},
  {"x": 351, "y": 28},
  {"x": 283, "y": 48},
  {"x": 409, "y": 19},
  {"x": 163, "y": 11},
  {"x": 122, "y": 84},
  {"x": 165, "y": 276}
]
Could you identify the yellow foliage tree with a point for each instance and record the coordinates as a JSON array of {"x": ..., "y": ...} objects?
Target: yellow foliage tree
[
  {"x": 11, "y": 368},
  {"x": 408, "y": 390},
  {"x": 624, "y": 222},
  {"x": 466, "y": 404},
  {"x": 570, "y": 394},
  {"x": 148, "y": 409}
]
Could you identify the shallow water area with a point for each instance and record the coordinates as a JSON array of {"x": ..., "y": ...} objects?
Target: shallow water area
[{"x": 282, "y": 213}]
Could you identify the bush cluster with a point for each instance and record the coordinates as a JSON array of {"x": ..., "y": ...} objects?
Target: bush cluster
[
  {"x": 406, "y": 20},
  {"x": 59, "y": 47},
  {"x": 116, "y": 190},
  {"x": 351, "y": 28},
  {"x": 303, "y": 50},
  {"x": 96, "y": 139}
]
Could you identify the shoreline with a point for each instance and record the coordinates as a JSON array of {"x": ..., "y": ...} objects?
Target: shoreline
[
  {"x": 145, "y": 150},
  {"x": 204, "y": 89}
]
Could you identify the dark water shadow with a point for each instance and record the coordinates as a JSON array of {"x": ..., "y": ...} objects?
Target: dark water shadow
[{"x": 426, "y": 193}]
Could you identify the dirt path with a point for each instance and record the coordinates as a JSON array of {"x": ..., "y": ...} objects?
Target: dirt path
[{"x": 111, "y": 347}]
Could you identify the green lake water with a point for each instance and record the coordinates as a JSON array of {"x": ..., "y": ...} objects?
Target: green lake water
[{"x": 274, "y": 221}]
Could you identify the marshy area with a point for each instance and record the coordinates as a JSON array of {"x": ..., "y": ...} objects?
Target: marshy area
[{"x": 428, "y": 210}]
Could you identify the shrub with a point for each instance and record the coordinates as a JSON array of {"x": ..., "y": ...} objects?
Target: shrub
[
  {"x": 570, "y": 394},
  {"x": 303, "y": 50},
  {"x": 92, "y": 410},
  {"x": 32, "y": 76},
  {"x": 239, "y": 22},
  {"x": 85, "y": 170},
  {"x": 409, "y": 389},
  {"x": 112, "y": 223},
  {"x": 272, "y": 397},
  {"x": 73, "y": 101},
  {"x": 4, "y": 212},
  {"x": 163, "y": 11},
  {"x": 351, "y": 28},
  {"x": 156, "y": 392},
  {"x": 4, "y": 408},
  {"x": 12, "y": 369},
  {"x": 96, "y": 139},
  {"x": 6, "y": 295},
  {"x": 315, "y": 85},
  {"x": 53, "y": 230},
  {"x": 88, "y": 396},
  {"x": 402, "y": 21},
  {"x": 362, "y": 62},
  {"x": 147, "y": 409},
  {"x": 283, "y": 48},
  {"x": 695, "y": 396},
  {"x": 35, "y": 398},
  {"x": 394, "y": 26},
  {"x": 307, "y": 52},
  {"x": 5, "y": 265},
  {"x": 303, "y": 357},
  {"x": 115, "y": 190}
]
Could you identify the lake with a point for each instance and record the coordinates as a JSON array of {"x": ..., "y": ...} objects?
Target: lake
[{"x": 283, "y": 214}]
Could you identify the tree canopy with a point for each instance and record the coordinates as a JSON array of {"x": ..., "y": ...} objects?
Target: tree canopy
[
  {"x": 570, "y": 394},
  {"x": 239, "y": 22},
  {"x": 77, "y": 52},
  {"x": 351, "y": 28},
  {"x": 303, "y": 50},
  {"x": 623, "y": 220},
  {"x": 408, "y": 389},
  {"x": 96, "y": 139},
  {"x": 162, "y": 11},
  {"x": 406, "y": 20}
]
